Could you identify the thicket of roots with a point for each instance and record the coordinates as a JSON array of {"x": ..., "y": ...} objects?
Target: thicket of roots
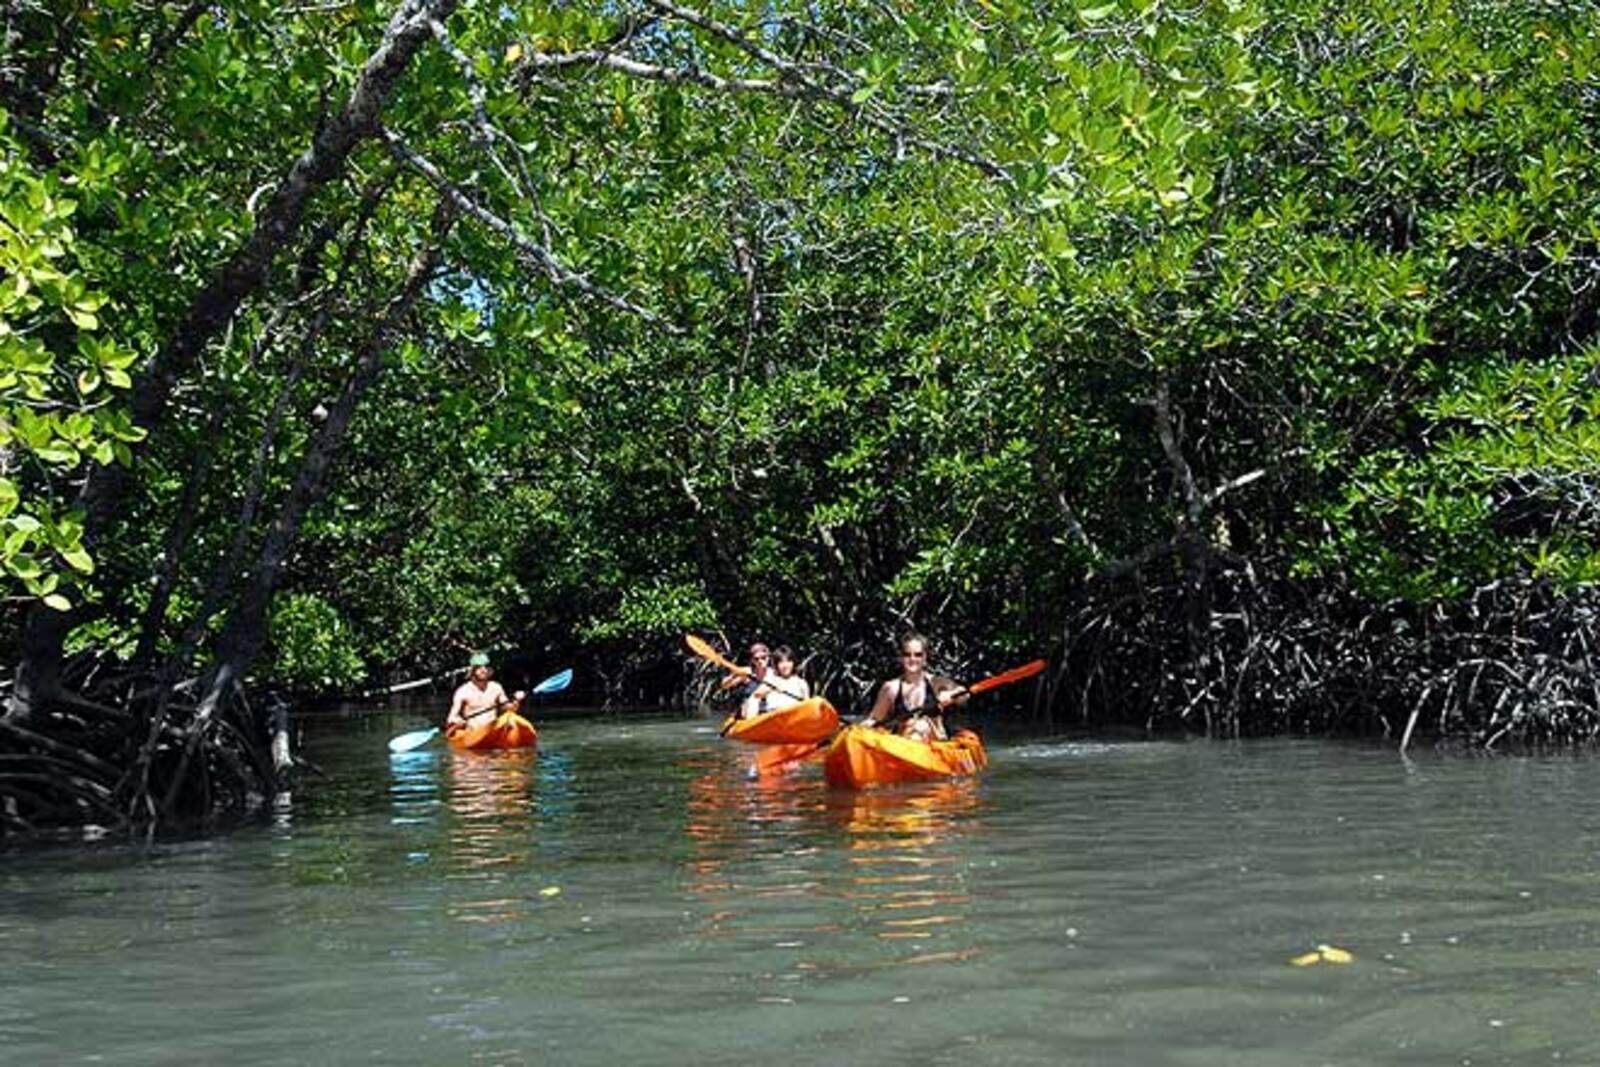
[
  {"x": 129, "y": 754},
  {"x": 1232, "y": 651}
]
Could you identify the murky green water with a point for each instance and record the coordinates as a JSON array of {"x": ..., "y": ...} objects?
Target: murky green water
[{"x": 629, "y": 896}]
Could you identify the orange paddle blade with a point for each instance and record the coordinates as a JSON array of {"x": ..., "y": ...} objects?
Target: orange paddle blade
[
  {"x": 702, "y": 648},
  {"x": 1015, "y": 674}
]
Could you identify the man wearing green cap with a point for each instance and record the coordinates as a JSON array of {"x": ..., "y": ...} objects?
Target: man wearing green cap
[{"x": 479, "y": 693}]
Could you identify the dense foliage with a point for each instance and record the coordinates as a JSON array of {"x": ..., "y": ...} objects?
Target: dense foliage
[{"x": 1241, "y": 356}]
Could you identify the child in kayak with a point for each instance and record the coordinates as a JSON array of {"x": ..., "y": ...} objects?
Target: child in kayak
[
  {"x": 786, "y": 688},
  {"x": 479, "y": 692},
  {"x": 915, "y": 702}
]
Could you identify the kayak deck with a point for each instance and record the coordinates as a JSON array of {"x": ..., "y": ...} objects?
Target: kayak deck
[
  {"x": 861, "y": 756},
  {"x": 808, "y": 721},
  {"x": 506, "y": 730}
]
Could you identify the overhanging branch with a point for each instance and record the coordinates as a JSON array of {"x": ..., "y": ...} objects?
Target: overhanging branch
[{"x": 538, "y": 254}]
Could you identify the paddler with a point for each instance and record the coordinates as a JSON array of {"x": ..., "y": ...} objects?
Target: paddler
[
  {"x": 746, "y": 684},
  {"x": 914, "y": 703},
  {"x": 479, "y": 693},
  {"x": 786, "y": 688}
]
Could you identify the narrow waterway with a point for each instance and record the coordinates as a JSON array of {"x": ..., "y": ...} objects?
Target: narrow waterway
[{"x": 631, "y": 896}]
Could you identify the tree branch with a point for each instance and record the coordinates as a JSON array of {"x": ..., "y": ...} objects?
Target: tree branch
[
  {"x": 794, "y": 81},
  {"x": 538, "y": 254}
]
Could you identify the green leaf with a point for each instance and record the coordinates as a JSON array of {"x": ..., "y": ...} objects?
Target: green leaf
[
  {"x": 78, "y": 559},
  {"x": 58, "y": 453}
]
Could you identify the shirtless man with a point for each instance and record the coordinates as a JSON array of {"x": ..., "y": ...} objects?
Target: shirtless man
[{"x": 479, "y": 693}]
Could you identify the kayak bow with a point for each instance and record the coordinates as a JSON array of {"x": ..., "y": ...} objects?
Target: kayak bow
[
  {"x": 506, "y": 730},
  {"x": 808, "y": 721},
  {"x": 861, "y": 756}
]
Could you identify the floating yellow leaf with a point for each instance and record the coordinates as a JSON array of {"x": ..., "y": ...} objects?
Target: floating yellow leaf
[
  {"x": 1334, "y": 954},
  {"x": 1323, "y": 954},
  {"x": 550, "y": 891}
]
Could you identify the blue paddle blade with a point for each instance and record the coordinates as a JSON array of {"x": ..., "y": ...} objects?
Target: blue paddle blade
[
  {"x": 415, "y": 739},
  {"x": 555, "y": 683}
]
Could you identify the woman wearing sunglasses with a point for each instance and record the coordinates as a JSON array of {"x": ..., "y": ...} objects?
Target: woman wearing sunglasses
[{"x": 914, "y": 703}]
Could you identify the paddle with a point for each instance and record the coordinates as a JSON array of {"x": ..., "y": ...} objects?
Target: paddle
[
  {"x": 994, "y": 681},
  {"x": 417, "y": 738}
]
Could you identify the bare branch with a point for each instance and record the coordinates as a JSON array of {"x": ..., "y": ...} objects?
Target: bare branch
[
  {"x": 1194, "y": 502},
  {"x": 542, "y": 257},
  {"x": 794, "y": 81},
  {"x": 1228, "y": 486}
]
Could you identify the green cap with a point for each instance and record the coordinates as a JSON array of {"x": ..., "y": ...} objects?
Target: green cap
[{"x": 479, "y": 659}]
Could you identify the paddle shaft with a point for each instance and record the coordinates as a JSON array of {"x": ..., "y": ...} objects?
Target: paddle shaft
[{"x": 496, "y": 706}]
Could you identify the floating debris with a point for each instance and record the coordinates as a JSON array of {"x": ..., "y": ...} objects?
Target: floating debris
[{"x": 1323, "y": 954}]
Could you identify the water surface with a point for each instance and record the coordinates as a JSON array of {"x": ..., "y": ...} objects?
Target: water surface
[{"x": 630, "y": 895}]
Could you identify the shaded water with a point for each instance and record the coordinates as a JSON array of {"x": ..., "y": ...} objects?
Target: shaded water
[{"x": 629, "y": 895}]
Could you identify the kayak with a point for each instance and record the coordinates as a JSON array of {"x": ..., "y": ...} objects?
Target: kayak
[
  {"x": 775, "y": 758},
  {"x": 506, "y": 730},
  {"x": 806, "y": 722},
  {"x": 860, "y": 756}
]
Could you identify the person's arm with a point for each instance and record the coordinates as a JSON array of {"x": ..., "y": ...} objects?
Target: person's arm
[
  {"x": 882, "y": 706},
  {"x": 768, "y": 684},
  {"x": 949, "y": 694},
  {"x": 458, "y": 704},
  {"x": 794, "y": 686}
]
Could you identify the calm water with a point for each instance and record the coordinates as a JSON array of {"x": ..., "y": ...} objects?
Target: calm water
[{"x": 630, "y": 896}]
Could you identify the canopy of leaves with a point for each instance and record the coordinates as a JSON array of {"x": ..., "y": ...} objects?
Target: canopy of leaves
[{"x": 812, "y": 321}]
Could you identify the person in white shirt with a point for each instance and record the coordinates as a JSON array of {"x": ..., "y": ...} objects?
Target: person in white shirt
[{"x": 783, "y": 688}]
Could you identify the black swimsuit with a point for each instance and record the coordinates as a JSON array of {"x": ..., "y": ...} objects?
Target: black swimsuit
[{"x": 902, "y": 713}]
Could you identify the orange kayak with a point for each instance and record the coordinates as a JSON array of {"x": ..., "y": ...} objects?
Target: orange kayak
[
  {"x": 506, "y": 730},
  {"x": 860, "y": 756},
  {"x": 808, "y": 721}
]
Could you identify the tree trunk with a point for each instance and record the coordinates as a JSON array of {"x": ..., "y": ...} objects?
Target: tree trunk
[
  {"x": 245, "y": 631},
  {"x": 155, "y": 613},
  {"x": 39, "y": 674}
]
